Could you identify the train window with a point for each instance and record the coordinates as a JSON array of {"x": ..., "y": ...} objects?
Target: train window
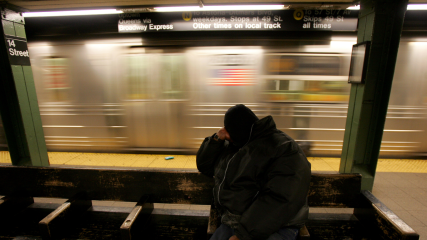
[
  {"x": 56, "y": 78},
  {"x": 138, "y": 77},
  {"x": 278, "y": 85},
  {"x": 303, "y": 65},
  {"x": 173, "y": 74},
  {"x": 278, "y": 65},
  {"x": 318, "y": 65},
  {"x": 298, "y": 90},
  {"x": 304, "y": 77}
]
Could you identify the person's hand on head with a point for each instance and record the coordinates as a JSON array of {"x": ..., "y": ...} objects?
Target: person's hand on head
[{"x": 223, "y": 134}]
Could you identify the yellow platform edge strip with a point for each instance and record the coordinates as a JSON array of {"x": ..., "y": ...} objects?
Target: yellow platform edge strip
[{"x": 189, "y": 161}]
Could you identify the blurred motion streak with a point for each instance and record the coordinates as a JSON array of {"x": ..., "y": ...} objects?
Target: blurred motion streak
[{"x": 119, "y": 95}]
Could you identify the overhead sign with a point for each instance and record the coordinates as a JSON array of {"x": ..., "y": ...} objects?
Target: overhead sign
[
  {"x": 17, "y": 51},
  {"x": 262, "y": 20}
]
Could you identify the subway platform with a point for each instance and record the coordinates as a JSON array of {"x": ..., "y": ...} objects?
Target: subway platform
[{"x": 399, "y": 183}]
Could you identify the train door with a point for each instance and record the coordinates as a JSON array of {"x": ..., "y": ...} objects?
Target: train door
[
  {"x": 155, "y": 98},
  {"x": 75, "y": 84}
]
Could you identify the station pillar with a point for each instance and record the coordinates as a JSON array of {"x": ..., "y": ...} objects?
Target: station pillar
[
  {"x": 19, "y": 108},
  {"x": 380, "y": 22}
]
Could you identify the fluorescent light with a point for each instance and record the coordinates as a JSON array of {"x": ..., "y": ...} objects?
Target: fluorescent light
[
  {"x": 410, "y": 7},
  {"x": 418, "y": 44},
  {"x": 357, "y": 7},
  {"x": 417, "y": 7},
  {"x": 177, "y": 9},
  {"x": 71, "y": 13},
  {"x": 219, "y": 8}
]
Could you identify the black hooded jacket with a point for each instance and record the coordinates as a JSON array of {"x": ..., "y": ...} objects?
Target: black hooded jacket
[{"x": 259, "y": 187}]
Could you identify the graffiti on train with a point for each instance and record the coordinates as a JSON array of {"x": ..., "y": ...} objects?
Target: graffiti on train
[{"x": 279, "y": 20}]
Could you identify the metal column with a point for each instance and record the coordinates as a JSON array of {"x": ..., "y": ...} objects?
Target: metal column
[
  {"x": 18, "y": 100},
  {"x": 380, "y": 21}
]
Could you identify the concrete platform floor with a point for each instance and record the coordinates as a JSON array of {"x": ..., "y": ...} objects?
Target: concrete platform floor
[{"x": 401, "y": 184}]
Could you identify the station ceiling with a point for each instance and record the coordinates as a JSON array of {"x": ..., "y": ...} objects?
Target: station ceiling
[{"x": 40, "y": 5}]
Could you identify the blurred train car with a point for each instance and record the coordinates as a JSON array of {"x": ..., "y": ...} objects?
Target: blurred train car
[{"x": 165, "y": 94}]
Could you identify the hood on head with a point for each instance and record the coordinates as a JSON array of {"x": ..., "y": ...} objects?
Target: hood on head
[{"x": 238, "y": 122}]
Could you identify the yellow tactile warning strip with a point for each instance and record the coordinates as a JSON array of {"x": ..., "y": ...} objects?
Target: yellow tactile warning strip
[
  {"x": 122, "y": 160},
  {"x": 5, "y": 157},
  {"x": 189, "y": 161}
]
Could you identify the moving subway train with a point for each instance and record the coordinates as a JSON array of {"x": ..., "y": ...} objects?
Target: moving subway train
[{"x": 165, "y": 94}]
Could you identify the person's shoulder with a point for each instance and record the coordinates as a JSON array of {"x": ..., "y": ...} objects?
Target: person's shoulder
[
  {"x": 284, "y": 144},
  {"x": 281, "y": 136}
]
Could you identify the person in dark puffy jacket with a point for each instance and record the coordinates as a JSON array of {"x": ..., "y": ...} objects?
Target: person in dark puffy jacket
[{"x": 261, "y": 178}]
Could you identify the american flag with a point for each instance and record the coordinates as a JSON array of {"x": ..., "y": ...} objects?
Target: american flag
[{"x": 232, "y": 77}]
